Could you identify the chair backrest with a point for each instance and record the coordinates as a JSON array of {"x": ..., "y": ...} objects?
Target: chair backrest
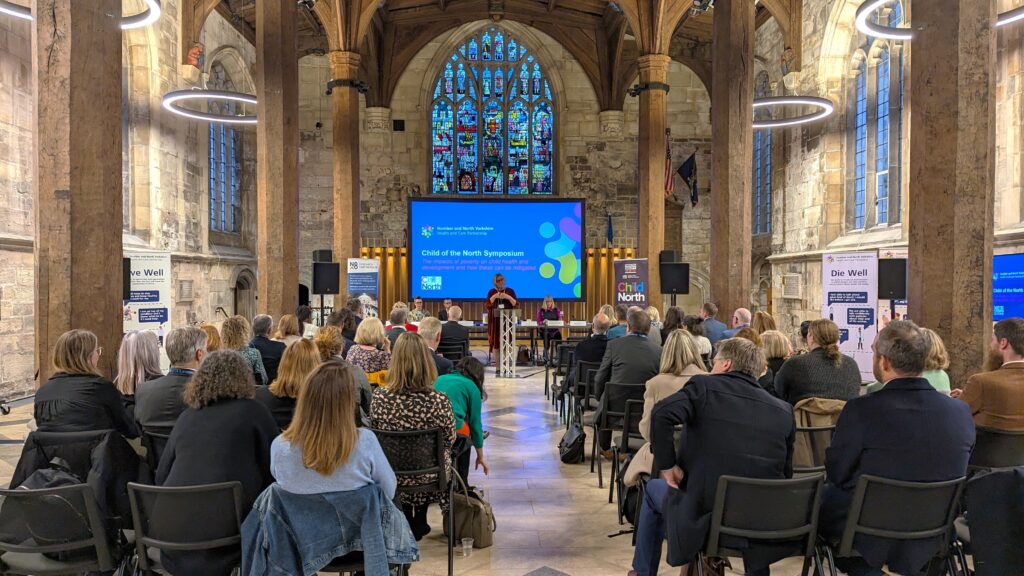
[
  {"x": 631, "y": 420},
  {"x": 762, "y": 509},
  {"x": 415, "y": 453},
  {"x": 901, "y": 510},
  {"x": 997, "y": 449},
  {"x": 809, "y": 449},
  {"x": 564, "y": 358},
  {"x": 182, "y": 518},
  {"x": 155, "y": 441},
  {"x": 53, "y": 520},
  {"x": 616, "y": 396},
  {"x": 582, "y": 368},
  {"x": 453, "y": 352},
  {"x": 75, "y": 448}
]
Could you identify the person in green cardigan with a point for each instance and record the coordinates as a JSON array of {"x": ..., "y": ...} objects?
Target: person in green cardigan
[{"x": 464, "y": 388}]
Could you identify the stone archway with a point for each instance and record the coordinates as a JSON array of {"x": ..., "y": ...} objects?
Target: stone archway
[{"x": 245, "y": 294}]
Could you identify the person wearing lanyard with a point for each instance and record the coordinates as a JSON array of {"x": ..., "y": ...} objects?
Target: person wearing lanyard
[
  {"x": 158, "y": 403},
  {"x": 548, "y": 311},
  {"x": 498, "y": 298}
]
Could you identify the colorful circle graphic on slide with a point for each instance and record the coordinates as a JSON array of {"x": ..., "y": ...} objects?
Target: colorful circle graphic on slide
[{"x": 560, "y": 250}]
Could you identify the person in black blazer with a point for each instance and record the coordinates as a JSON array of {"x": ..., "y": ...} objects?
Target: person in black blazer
[
  {"x": 732, "y": 426},
  {"x": 270, "y": 350},
  {"x": 430, "y": 330},
  {"x": 442, "y": 314},
  {"x": 224, "y": 435},
  {"x": 452, "y": 333},
  {"x": 397, "y": 321},
  {"x": 589, "y": 350},
  {"x": 158, "y": 403},
  {"x": 77, "y": 398},
  {"x": 905, "y": 431}
]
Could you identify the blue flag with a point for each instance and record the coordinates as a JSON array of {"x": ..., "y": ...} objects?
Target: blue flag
[
  {"x": 688, "y": 172},
  {"x": 611, "y": 233}
]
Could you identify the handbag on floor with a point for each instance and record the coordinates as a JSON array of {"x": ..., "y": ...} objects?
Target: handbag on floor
[
  {"x": 573, "y": 446},
  {"x": 474, "y": 517}
]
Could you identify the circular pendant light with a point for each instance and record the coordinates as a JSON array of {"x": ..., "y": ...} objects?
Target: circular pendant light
[
  {"x": 867, "y": 10},
  {"x": 16, "y": 10},
  {"x": 172, "y": 104},
  {"x": 824, "y": 105},
  {"x": 148, "y": 16},
  {"x": 1010, "y": 16}
]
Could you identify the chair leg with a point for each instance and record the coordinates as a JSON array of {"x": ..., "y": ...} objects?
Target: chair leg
[
  {"x": 818, "y": 567},
  {"x": 614, "y": 473},
  {"x": 600, "y": 466},
  {"x": 593, "y": 450},
  {"x": 831, "y": 561},
  {"x": 961, "y": 556},
  {"x": 451, "y": 523},
  {"x": 699, "y": 561}
]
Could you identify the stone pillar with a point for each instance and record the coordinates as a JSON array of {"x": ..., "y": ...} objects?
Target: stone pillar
[
  {"x": 345, "y": 66},
  {"x": 76, "y": 54},
  {"x": 732, "y": 118},
  {"x": 277, "y": 159},
  {"x": 652, "y": 144},
  {"x": 952, "y": 176}
]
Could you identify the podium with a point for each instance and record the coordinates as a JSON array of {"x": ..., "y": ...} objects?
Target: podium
[{"x": 507, "y": 319}]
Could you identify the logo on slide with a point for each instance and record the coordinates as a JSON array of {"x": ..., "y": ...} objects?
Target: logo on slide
[
  {"x": 427, "y": 231},
  {"x": 430, "y": 282}
]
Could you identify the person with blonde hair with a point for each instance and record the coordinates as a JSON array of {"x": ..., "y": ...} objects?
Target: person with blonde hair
[
  {"x": 680, "y": 360},
  {"x": 410, "y": 402},
  {"x": 762, "y": 322},
  {"x": 300, "y": 359},
  {"x": 76, "y": 397},
  {"x": 212, "y": 337},
  {"x": 777, "y": 349},
  {"x": 223, "y": 436},
  {"x": 372, "y": 351},
  {"x": 235, "y": 334},
  {"x": 288, "y": 330},
  {"x": 550, "y": 336},
  {"x": 823, "y": 372},
  {"x": 138, "y": 361},
  {"x": 322, "y": 450},
  {"x": 329, "y": 342}
]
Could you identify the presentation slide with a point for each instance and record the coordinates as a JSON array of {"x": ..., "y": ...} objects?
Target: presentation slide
[
  {"x": 457, "y": 246},
  {"x": 1007, "y": 286}
]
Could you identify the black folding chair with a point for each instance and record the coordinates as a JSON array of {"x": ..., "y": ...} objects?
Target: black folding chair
[
  {"x": 453, "y": 352},
  {"x": 997, "y": 449},
  {"x": 418, "y": 453},
  {"x": 154, "y": 441},
  {"x": 627, "y": 440},
  {"x": 185, "y": 519},
  {"x": 816, "y": 439},
  {"x": 777, "y": 512},
  {"x": 616, "y": 394},
  {"x": 900, "y": 510},
  {"x": 38, "y": 526}
]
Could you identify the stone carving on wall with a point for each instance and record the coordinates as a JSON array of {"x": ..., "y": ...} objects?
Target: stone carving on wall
[
  {"x": 612, "y": 123},
  {"x": 378, "y": 119}
]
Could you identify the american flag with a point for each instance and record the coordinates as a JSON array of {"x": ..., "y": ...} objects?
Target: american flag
[{"x": 670, "y": 184}]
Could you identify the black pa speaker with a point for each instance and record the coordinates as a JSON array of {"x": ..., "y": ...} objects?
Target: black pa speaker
[
  {"x": 126, "y": 279},
  {"x": 323, "y": 256},
  {"x": 667, "y": 256},
  {"x": 892, "y": 279},
  {"x": 675, "y": 277},
  {"x": 325, "y": 278}
]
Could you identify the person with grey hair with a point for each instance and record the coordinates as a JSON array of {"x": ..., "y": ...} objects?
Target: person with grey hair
[
  {"x": 905, "y": 431},
  {"x": 740, "y": 320},
  {"x": 397, "y": 320},
  {"x": 158, "y": 403},
  {"x": 619, "y": 329},
  {"x": 270, "y": 350},
  {"x": 591, "y": 349},
  {"x": 454, "y": 334},
  {"x": 430, "y": 330},
  {"x": 731, "y": 426}
]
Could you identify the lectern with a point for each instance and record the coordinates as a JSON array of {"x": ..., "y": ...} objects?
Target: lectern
[{"x": 507, "y": 319}]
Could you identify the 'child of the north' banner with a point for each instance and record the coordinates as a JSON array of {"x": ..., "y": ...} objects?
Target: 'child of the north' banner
[
  {"x": 631, "y": 282},
  {"x": 850, "y": 283},
  {"x": 363, "y": 279}
]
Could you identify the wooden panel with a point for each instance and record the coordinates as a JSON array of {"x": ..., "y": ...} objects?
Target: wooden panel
[{"x": 394, "y": 284}]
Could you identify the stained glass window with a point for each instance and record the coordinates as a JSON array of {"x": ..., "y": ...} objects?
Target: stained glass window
[
  {"x": 895, "y": 19},
  {"x": 492, "y": 120},
  {"x": 882, "y": 139},
  {"x": 762, "y": 165},
  {"x": 861, "y": 146},
  {"x": 225, "y": 173}
]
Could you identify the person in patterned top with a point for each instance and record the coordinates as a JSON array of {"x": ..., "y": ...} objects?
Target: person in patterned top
[{"x": 410, "y": 402}]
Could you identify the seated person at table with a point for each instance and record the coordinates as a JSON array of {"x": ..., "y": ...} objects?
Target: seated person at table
[
  {"x": 442, "y": 314},
  {"x": 372, "y": 351},
  {"x": 464, "y": 388},
  {"x": 996, "y": 398},
  {"x": 590, "y": 350},
  {"x": 430, "y": 330},
  {"x": 417, "y": 313},
  {"x": 551, "y": 336},
  {"x": 409, "y": 327},
  {"x": 454, "y": 334},
  {"x": 905, "y": 431},
  {"x": 300, "y": 358},
  {"x": 619, "y": 329},
  {"x": 731, "y": 427}
]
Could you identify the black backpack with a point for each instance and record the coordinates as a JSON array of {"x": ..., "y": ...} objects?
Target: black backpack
[{"x": 573, "y": 446}]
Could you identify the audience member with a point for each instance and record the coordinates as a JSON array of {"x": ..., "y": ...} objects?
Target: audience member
[
  {"x": 224, "y": 435},
  {"x": 673, "y": 321},
  {"x": 938, "y": 361},
  {"x": 589, "y": 350},
  {"x": 903, "y": 432},
  {"x": 442, "y": 314},
  {"x": 608, "y": 310},
  {"x": 416, "y": 312},
  {"x": 409, "y": 402},
  {"x": 762, "y": 321},
  {"x": 698, "y": 329},
  {"x": 397, "y": 324},
  {"x": 996, "y": 397},
  {"x": 619, "y": 329},
  {"x": 430, "y": 330},
  {"x": 452, "y": 333},
  {"x": 409, "y": 326},
  {"x": 714, "y": 328},
  {"x": 77, "y": 398},
  {"x": 212, "y": 337},
  {"x": 235, "y": 336},
  {"x": 805, "y": 328},
  {"x": 344, "y": 320},
  {"x": 731, "y": 427},
  {"x": 777, "y": 349},
  {"x": 550, "y": 336},
  {"x": 304, "y": 314},
  {"x": 329, "y": 342},
  {"x": 824, "y": 372},
  {"x": 632, "y": 359},
  {"x": 372, "y": 352},
  {"x": 158, "y": 403},
  {"x": 654, "y": 333},
  {"x": 680, "y": 360},
  {"x": 138, "y": 361},
  {"x": 270, "y": 351},
  {"x": 767, "y": 378},
  {"x": 464, "y": 388},
  {"x": 299, "y": 360},
  {"x": 740, "y": 320},
  {"x": 322, "y": 450},
  {"x": 288, "y": 330},
  {"x": 333, "y": 346}
]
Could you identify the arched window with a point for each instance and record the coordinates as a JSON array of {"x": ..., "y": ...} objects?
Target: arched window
[
  {"x": 882, "y": 138},
  {"x": 225, "y": 161},
  {"x": 762, "y": 164},
  {"x": 492, "y": 120},
  {"x": 861, "y": 146}
]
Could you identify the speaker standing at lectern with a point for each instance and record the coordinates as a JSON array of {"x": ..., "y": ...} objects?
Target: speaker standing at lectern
[{"x": 499, "y": 297}]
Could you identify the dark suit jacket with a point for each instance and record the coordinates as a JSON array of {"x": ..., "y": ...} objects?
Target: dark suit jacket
[
  {"x": 454, "y": 334},
  {"x": 631, "y": 359},
  {"x": 444, "y": 365},
  {"x": 271, "y": 351},
  {"x": 732, "y": 426},
  {"x": 158, "y": 403},
  {"x": 589, "y": 350},
  {"x": 905, "y": 431},
  {"x": 393, "y": 333},
  {"x": 442, "y": 315},
  {"x": 997, "y": 398}
]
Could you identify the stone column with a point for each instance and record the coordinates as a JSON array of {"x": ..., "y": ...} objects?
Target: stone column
[
  {"x": 345, "y": 66},
  {"x": 76, "y": 53},
  {"x": 952, "y": 176},
  {"x": 277, "y": 159},
  {"x": 652, "y": 144},
  {"x": 732, "y": 117}
]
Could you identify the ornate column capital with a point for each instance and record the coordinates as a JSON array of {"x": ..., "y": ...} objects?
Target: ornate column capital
[
  {"x": 378, "y": 119},
  {"x": 344, "y": 65},
  {"x": 612, "y": 122},
  {"x": 653, "y": 67}
]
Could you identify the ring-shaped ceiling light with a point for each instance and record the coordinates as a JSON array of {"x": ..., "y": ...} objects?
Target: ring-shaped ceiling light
[
  {"x": 148, "y": 16},
  {"x": 1010, "y": 16},
  {"x": 172, "y": 99},
  {"x": 824, "y": 105},
  {"x": 868, "y": 9}
]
